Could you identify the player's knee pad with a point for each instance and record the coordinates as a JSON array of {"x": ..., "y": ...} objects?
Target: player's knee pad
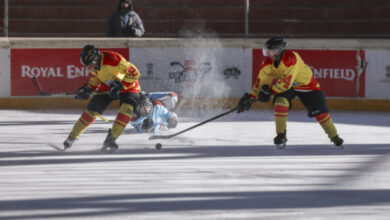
[
  {"x": 126, "y": 109},
  {"x": 287, "y": 95},
  {"x": 281, "y": 101}
]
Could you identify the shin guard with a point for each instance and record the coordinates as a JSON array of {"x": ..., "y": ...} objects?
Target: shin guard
[
  {"x": 86, "y": 119},
  {"x": 281, "y": 112},
  {"x": 327, "y": 124},
  {"x": 122, "y": 119}
]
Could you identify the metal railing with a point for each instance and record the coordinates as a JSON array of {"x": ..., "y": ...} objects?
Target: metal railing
[
  {"x": 5, "y": 28},
  {"x": 246, "y": 19}
]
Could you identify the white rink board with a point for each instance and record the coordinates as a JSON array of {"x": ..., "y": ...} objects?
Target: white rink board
[
  {"x": 5, "y": 81},
  {"x": 378, "y": 74},
  {"x": 195, "y": 72}
]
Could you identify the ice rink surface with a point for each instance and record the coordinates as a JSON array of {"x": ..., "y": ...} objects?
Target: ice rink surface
[{"x": 227, "y": 169}]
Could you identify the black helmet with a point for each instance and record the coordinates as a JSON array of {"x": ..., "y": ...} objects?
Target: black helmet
[
  {"x": 144, "y": 105},
  {"x": 275, "y": 43},
  {"x": 90, "y": 55}
]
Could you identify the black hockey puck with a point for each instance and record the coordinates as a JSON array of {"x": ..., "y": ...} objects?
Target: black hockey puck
[{"x": 158, "y": 146}]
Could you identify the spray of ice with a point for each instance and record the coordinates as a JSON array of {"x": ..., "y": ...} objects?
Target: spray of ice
[{"x": 202, "y": 85}]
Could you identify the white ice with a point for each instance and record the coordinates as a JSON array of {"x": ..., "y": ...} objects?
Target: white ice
[{"x": 227, "y": 169}]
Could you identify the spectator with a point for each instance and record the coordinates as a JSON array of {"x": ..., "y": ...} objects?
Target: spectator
[{"x": 124, "y": 22}]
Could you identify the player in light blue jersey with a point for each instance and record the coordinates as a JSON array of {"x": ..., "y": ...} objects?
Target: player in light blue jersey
[{"x": 156, "y": 113}]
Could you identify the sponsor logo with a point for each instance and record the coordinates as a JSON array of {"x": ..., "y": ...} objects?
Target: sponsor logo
[
  {"x": 387, "y": 75},
  {"x": 232, "y": 72},
  {"x": 189, "y": 71},
  {"x": 334, "y": 73},
  {"x": 149, "y": 73},
  {"x": 71, "y": 72},
  {"x": 149, "y": 69}
]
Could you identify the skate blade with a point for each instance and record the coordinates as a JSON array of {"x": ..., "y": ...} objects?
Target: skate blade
[
  {"x": 340, "y": 147},
  {"x": 108, "y": 149},
  {"x": 281, "y": 146}
]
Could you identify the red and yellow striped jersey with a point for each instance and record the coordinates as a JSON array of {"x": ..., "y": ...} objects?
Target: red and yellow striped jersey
[
  {"x": 115, "y": 66},
  {"x": 291, "y": 72}
]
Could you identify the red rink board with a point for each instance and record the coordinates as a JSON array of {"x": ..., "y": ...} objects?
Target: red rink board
[{"x": 57, "y": 70}]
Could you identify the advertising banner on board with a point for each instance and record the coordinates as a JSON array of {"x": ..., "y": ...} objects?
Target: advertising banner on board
[
  {"x": 37, "y": 72},
  {"x": 194, "y": 72}
]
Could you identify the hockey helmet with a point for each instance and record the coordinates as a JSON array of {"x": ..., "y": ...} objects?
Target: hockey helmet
[
  {"x": 90, "y": 55},
  {"x": 144, "y": 105},
  {"x": 274, "y": 46}
]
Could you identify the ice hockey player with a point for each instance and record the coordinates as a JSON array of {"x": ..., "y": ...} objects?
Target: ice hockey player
[
  {"x": 284, "y": 75},
  {"x": 156, "y": 112},
  {"x": 115, "y": 78}
]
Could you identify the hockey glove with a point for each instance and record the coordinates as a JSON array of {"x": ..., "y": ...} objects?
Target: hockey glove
[
  {"x": 265, "y": 93},
  {"x": 172, "y": 122},
  {"x": 147, "y": 125},
  {"x": 115, "y": 88},
  {"x": 83, "y": 92},
  {"x": 245, "y": 103}
]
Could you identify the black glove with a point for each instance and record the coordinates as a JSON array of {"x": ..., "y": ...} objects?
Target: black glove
[
  {"x": 115, "y": 88},
  {"x": 245, "y": 103},
  {"x": 147, "y": 125},
  {"x": 265, "y": 93},
  {"x": 83, "y": 92},
  {"x": 172, "y": 122}
]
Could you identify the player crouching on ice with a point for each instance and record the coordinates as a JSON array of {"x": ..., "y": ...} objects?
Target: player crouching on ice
[
  {"x": 113, "y": 74},
  {"x": 284, "y": 74},
  {"x": 155, "y": 112}
]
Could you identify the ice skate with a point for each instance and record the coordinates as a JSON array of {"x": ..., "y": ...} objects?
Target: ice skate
[
  {"x": 280, "y": 141},
  {"x": 69, "y": 142},
  {"x": 337, "y": 141},
  {"x": 109, "y": 145}
]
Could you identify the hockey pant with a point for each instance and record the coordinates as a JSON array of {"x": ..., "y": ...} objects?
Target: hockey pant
[{"x": 314, "y": 103}]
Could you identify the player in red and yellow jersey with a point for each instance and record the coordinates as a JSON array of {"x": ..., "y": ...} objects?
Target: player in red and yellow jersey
[
  {"x": 113, "y": 77},
  {"x": 285, "y": 75}
]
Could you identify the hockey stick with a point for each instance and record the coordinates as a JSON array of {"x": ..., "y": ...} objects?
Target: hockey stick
[
  {"x": 103, "y": 118},
  {"x": 39, "y": 89},
  {"x": 154, "y": 137},
  {"x": 360, "y": 67},
  {"x": 37, "y": 86}
]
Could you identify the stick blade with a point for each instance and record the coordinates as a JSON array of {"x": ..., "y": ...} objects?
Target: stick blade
[{"x": 154, "y": 137}]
